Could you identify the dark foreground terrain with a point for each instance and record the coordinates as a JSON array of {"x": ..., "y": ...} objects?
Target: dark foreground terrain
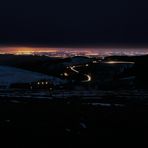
[
  {"x": 111, "y": 104},
  {"x": 40, "y": 122}
]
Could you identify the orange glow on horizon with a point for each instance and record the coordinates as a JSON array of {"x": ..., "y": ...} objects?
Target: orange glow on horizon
[
  {"x": 66, "y": 52},
  {"x": 25, "y": 50}
]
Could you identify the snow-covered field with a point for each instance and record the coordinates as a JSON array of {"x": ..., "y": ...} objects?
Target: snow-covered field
[{"x": 10, "y": 75}]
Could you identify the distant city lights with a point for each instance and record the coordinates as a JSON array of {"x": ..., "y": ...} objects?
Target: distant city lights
[{"x": 68, "y": 52}]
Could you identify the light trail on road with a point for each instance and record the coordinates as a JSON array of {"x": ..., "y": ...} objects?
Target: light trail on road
[
  {"x": 119, "y": 62},
  {"x": 72, "y": 68},
  {"x": 88, "y": 76}
]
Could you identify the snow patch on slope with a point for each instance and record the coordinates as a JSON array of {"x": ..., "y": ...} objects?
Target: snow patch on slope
[{"x": 10, "y": 75}]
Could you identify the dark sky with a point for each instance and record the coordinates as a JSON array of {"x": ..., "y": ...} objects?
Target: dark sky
[{"x": 74, "y": 22}]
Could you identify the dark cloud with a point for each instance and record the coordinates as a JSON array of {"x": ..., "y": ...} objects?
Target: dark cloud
[{"x": 63, "y": 21}]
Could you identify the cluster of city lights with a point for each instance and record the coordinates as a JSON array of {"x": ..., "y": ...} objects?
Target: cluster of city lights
[{"x": 65, "y": 52}]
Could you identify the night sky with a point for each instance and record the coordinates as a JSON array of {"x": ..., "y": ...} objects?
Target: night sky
[{"x": 67, "y": 22}]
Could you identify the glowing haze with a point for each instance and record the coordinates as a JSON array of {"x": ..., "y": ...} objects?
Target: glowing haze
[{"x": 66, "y": 52}]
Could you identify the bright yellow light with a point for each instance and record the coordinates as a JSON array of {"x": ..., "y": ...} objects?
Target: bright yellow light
[{"x": 65, "y": 74}]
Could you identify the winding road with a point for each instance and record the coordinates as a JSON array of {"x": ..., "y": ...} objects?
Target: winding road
[{"x": 86, "y": 75}]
